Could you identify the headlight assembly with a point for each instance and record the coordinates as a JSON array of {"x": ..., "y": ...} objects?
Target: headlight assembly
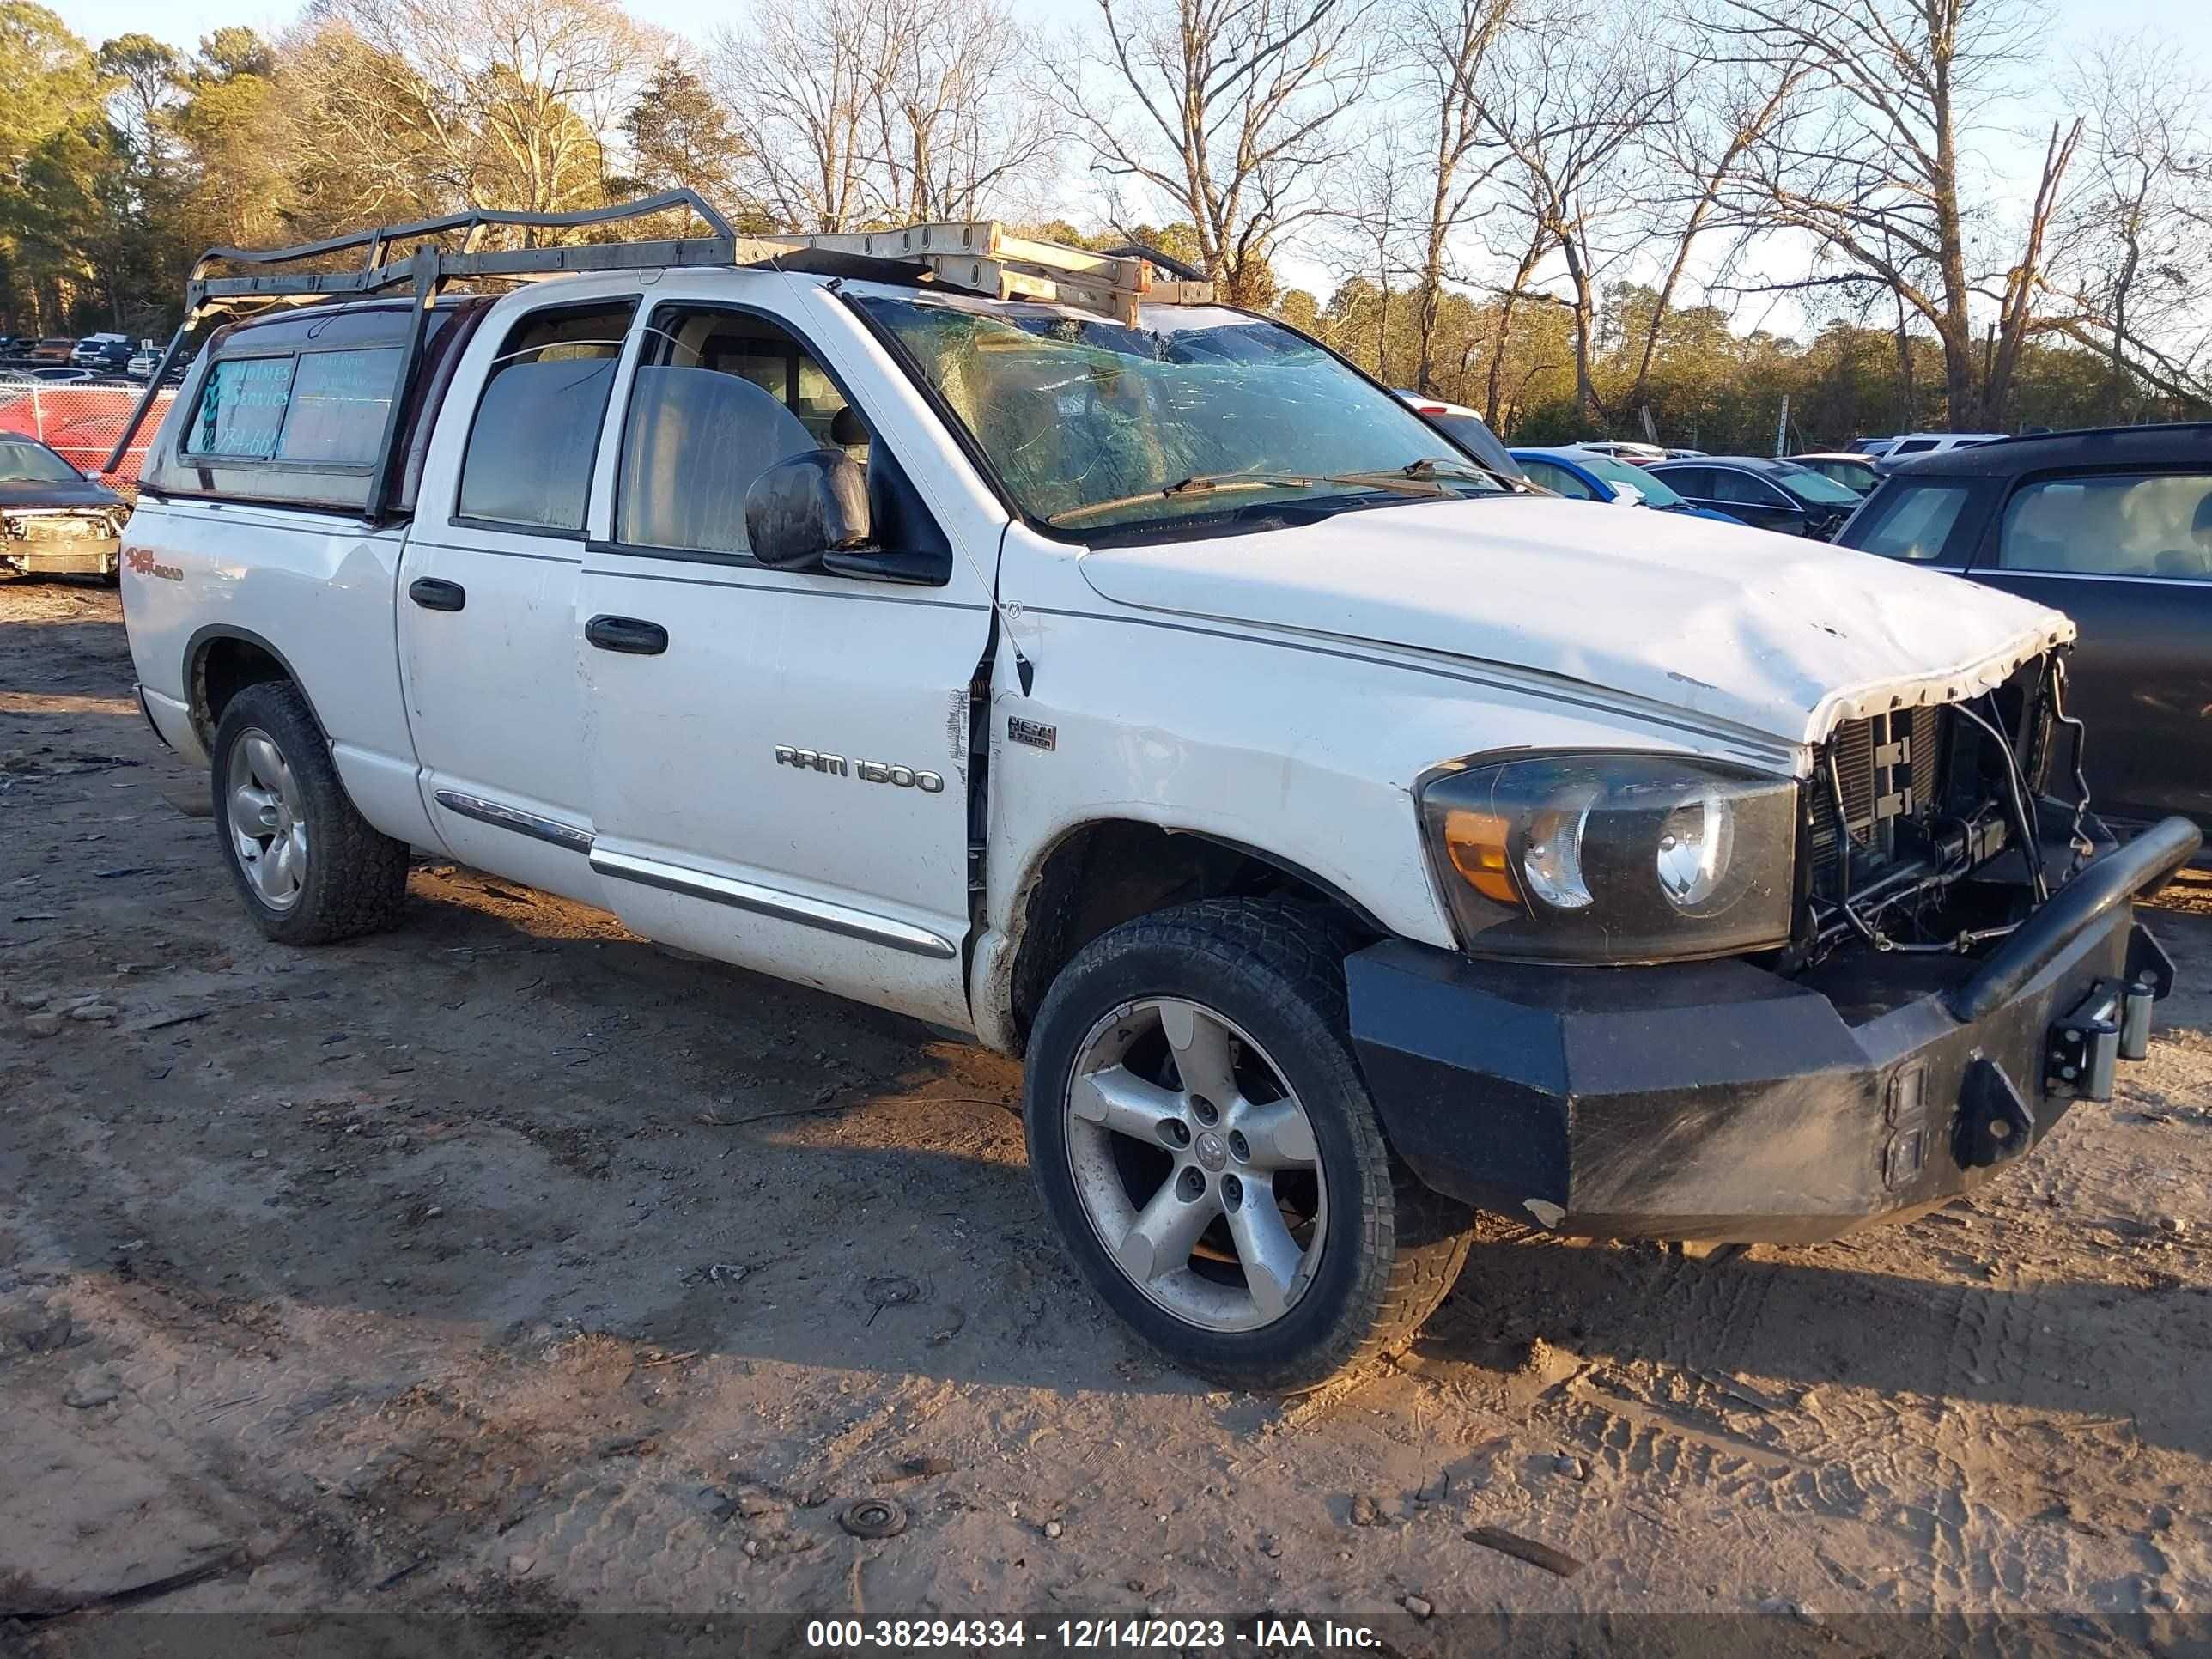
[{"x": 1611, "y": 858}]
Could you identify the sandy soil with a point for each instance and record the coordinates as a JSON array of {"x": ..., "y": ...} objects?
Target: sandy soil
[{"x": 509, "y": 1260}]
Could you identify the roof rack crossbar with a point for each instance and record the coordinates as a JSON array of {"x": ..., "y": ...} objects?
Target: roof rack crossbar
[
  {"x": 475, "y": 221},
  {"x": 980, "y": 255}
]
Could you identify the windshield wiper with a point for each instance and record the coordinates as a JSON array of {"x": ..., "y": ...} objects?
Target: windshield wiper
[
  {"x": 1430, "y": 468},
  {"x": 1195, "y": 484}
]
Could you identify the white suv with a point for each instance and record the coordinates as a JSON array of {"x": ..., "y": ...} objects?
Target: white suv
[{"x": 1343, "y": 839}]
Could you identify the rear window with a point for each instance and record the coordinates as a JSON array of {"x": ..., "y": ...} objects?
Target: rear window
[
  {"x": 325, "y": 408},
  {"x": 1919, "y": 523},
  {"x": 338, "y": 406},
  {"x": 241, "y": 409}
]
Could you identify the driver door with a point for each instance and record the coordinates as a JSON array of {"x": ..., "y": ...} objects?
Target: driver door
[{"x": 778, "y": 760}]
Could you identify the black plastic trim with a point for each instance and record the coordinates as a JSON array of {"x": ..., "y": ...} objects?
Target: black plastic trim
[{"x": 196, "y": 649}]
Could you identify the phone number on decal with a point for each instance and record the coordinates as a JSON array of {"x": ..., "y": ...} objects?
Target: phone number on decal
[{"x": 1068, "y": 1633}]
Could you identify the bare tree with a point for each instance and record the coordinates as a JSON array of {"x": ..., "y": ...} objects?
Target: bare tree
[
  {"x": 856, "y": 114},
  {"x": 1229, "y": 110},
  {"x": 1710, "y": 114},
  {"x": 1377, "y": 218},
  {"x": 960, "y": 127},
  {"x": 1572, "y": 99},
  {"x": 801, "y": 79},
  {"x": 1447, "y": 46},
  {"x": 1870, "y": 164},
  {"x": 2136, "y": 254},
  {"x": 511, "y": 102}
]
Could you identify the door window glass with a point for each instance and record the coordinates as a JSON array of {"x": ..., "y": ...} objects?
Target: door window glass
[
  {"x": 718, "y": 399},
  {"x": 1914, "y": 522},
  {"x": 2158, "y": 525},
  {"x": 1742, "y": 489},
  {"x": 1914, "y": 446},
  {"x": 1696, "y": 482},
  {"x": 536, "y": 431},
  {"x": 1558, "y": 479}
]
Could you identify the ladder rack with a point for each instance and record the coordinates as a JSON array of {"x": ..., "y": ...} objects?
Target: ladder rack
[{"x": 978, "y": 256}]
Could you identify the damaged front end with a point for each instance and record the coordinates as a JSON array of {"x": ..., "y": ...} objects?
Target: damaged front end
[
  {"x": 62, "y": 541},
  {"x": 1962, "y": 964}
]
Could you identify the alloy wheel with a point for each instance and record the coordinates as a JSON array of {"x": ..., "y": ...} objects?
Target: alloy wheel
[
  {"x": 1196, "y": 1164},
  {"x": 267, "y": 819}
]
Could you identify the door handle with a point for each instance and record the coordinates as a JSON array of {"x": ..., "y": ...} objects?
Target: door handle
[
  {"x": 434, "y": 593},
  {"x": 627, "y": 634}
]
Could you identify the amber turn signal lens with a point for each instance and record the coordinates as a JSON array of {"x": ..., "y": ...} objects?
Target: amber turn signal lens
[{"x": 1476, "y": 841}]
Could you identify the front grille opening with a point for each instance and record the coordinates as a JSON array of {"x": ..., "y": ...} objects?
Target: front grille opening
[
  {"x": 1928, "y": 809},
  {"x": 1888, "y": 769}
]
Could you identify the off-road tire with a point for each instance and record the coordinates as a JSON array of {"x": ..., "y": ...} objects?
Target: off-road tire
[
  {"x": 356, "y": 881},
  {"x": 1393, "y": 1248}
]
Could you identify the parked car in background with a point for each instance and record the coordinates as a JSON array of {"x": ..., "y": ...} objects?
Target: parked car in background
[
  {"x": 1872, "y": 448},
  {"x": 143, "y": 361},
  {"x": 1582, "y": 476},
  {"x": 1639, "y": 453},
  {"x": 53, "y": 519},
  {"x": 2114, "y": 528},
  {"x": 1686, "y": 454},
  {"x": 1767, "y": 495},
  {"x": 1855, "y": 472},
  {"x": 1915, "y": 444},
  {"x": 53, "y": 351},
  {"x": 1464, "y": 427},
  {"x": 103, "y": 354},
  {"x": 60, "y": 374}
]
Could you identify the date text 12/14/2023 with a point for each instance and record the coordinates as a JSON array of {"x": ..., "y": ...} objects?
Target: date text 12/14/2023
[{"x": 1257, "y": 1635}]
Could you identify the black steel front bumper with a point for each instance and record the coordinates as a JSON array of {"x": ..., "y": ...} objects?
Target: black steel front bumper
[{"x": 1719, "y": 1101}]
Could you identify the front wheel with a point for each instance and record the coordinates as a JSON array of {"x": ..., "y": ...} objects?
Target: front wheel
[{"x": 1210, "y": 1157}]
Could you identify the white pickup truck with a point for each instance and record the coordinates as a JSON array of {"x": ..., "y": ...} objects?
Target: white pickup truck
[{"x": 1346, "y": 837}]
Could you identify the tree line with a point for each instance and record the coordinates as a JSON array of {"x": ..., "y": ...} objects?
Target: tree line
[{"x": 1572, "y": 215}]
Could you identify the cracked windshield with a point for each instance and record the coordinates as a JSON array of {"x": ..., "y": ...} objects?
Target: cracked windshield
[{"x": 1196, "y": 412}]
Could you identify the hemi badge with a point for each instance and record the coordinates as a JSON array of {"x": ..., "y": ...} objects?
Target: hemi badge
[{"x": 1035, "y": 733}]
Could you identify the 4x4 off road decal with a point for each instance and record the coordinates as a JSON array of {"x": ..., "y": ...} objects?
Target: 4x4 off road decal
[{"x": 867, "y": 771}]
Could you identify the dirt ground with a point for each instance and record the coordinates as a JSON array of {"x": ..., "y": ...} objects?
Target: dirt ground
[{"x": 507, "y": 1259}]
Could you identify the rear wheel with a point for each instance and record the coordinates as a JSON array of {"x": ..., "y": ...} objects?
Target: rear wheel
[
  {"x": 1209, "y": 1154},
  {"x": 310, "y": 868}
]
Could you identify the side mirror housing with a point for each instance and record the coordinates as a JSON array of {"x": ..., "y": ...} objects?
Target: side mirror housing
[{"x": 802, "y": 509}]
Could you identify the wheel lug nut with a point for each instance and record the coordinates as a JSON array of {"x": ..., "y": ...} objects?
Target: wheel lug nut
[
  {"x": 1190, "y": 1185},
  {"x": 1207, "y": 1113},
  {"x": 1233, "y": 1191},
  {"x": 1178, "y": 1133},
  {"x": 1240, "y": 1148}
]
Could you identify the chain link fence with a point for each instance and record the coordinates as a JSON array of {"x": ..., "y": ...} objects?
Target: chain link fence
[{"x": 82, "y": 423}]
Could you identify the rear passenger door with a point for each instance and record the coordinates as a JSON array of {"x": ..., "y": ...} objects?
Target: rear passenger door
[
  {"x": 487, "y": 594},
  {"x": 779, "y": 759},
  {"x": 2128, "y": 556}
]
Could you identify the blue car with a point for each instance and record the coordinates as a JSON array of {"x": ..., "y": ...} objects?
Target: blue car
[{"x": 1584, "y": 475}]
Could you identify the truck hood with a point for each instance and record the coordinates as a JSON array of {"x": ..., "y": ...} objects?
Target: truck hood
[
  {"x": 59, "y": 495},
  {"x": 1770, "y": 634}
]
